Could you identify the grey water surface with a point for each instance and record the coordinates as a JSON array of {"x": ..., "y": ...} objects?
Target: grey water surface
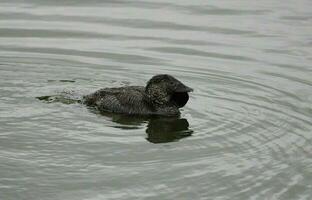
[{"x": 245, "y": 133}]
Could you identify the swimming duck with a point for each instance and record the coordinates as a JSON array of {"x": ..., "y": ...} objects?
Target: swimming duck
[{"x": 162, "y": 95}]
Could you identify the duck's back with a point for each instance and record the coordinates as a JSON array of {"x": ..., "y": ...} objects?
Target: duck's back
[{"x": 130, "y": 100}]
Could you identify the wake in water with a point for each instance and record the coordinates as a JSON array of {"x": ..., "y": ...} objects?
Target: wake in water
[{"x": 65, "y": 97}]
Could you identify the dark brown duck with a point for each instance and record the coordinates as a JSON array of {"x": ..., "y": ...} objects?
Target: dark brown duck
[{"x": 162, "y": 95}]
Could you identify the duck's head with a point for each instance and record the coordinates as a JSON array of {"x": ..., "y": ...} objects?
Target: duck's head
[{"x": 164, "y": 89}]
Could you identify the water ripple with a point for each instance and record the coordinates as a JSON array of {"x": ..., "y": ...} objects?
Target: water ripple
[{"x": 244, "y": 134}]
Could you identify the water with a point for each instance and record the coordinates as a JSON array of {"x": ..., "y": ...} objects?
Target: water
[{"x": 245, "y": 133}]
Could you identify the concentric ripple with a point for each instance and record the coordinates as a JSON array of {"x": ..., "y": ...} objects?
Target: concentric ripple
[{"x": 244, "y": 134}]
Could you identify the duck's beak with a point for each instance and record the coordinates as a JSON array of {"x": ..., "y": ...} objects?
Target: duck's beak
[{"x": 183, "y": 88}]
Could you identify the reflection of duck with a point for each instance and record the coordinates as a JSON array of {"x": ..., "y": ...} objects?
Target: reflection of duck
[
  {"x": 163, "y": 95},
  {"x": 167, "y": 130},
  {"x": 159, "y": 130}
]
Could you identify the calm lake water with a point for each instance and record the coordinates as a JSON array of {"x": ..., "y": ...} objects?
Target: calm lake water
[{"x": 245, "y": 133}]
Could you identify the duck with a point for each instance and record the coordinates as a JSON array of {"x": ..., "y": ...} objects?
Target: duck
[{"x": 163, "y": 95}]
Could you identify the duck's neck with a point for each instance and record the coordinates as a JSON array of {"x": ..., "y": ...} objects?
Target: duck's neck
[{"x": 157, "y": 96}]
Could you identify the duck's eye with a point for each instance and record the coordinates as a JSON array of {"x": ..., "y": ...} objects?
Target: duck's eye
[{"x": 171, "y": 83}]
